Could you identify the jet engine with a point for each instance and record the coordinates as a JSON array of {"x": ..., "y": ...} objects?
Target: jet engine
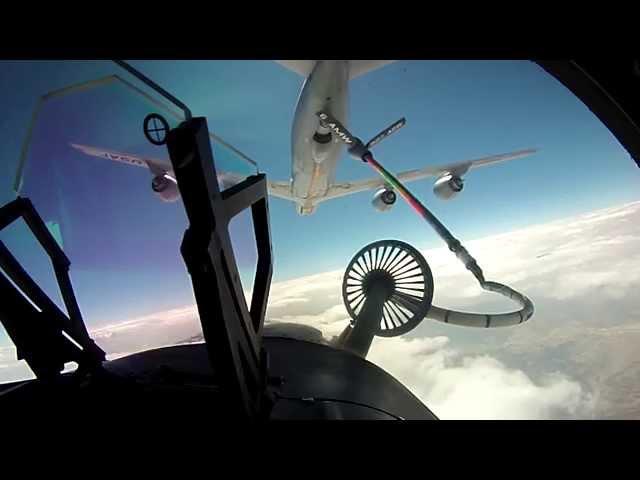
[
  {"x": 448, "y": 186},
  {"x": 383, "y": 199},
  {"x": 165, "y": 187}
]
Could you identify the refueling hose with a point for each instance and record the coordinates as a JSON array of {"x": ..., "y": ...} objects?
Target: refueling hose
[
  {"x": 443, "y": 314},
  {"x": 362, "y": 151}
]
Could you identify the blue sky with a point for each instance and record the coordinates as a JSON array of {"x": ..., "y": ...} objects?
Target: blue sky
[{"x": 123, "y": 242}]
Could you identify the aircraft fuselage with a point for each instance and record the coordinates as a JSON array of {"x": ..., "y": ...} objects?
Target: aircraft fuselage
[{"x": 315, "y": 152}]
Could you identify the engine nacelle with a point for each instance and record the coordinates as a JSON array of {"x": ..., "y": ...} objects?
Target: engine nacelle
[
  {"x": 383, "y": 199},
  {"x": 448, "y": 186},
  {"x": 165, "y": 187}
]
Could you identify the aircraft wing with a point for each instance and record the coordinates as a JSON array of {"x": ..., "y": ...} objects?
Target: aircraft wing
[
  {"x": 356, "y": 67},
  {"x": 457, "y": 168},
  {"x": 361, "y": 67},
  {"x": 301, "y": 67},
  {"x": 157, "y": 167},
  {"x": 160, "y": 167}
]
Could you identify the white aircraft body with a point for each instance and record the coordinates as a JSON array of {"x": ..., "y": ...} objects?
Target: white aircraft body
[{"x": 315, "y": 151}]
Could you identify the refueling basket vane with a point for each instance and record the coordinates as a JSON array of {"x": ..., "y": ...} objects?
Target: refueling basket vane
[{"x": 398, "y": 272}]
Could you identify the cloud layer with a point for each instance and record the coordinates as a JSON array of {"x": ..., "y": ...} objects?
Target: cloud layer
[
  {"x": 458, "y": 386},
  {"x": 582, "y": 274}
]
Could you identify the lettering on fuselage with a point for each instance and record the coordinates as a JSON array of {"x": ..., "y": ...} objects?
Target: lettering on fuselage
[
  {"x": 345, "y": 138},
  {"x": 122, "y": 158},
  {"x": 335, "y": 128}
]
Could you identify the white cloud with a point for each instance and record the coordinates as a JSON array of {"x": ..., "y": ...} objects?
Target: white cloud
[
  {"x": 150, "y": 331},
  {"x": 331, "y": 321},
  {"x": 592, "y": 254},
  {"x": 455, "y": 386}
]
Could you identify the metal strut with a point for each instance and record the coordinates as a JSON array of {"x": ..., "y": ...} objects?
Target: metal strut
[{"x": 44, "y": 336}]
